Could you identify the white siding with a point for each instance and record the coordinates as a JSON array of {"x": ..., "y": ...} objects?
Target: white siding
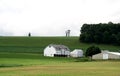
[
  {"x": 98, "y": 56},
  {"x": 67, "y": 53},
  {"x": 49, "y": 51},
  {"x": 58, "y": 52},
  {"x": 105, "y": 56},
  {"x": 76, "y": 53}
]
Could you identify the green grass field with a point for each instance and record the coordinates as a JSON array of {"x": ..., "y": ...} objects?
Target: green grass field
[
  {"x": 27, "y": 64},
  {"x": 37, "y": 44},
  {"x": 23, "y": 56}
]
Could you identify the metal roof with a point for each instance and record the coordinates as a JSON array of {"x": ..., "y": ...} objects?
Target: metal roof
[
  {"x": 115, "y": 53},
  {"x": 58, "y": 47}
]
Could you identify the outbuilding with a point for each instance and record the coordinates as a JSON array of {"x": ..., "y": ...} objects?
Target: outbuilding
[
  {"x": 107, "y": 55},
  {"x": 53, "y": 50},
  {"x": 77, "y": 53}
]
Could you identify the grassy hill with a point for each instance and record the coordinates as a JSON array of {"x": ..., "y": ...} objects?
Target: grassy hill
[{"x": 37, "y": 44}]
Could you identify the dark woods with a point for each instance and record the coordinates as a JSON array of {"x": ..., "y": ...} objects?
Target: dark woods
[{"x": 100, "y": 33}]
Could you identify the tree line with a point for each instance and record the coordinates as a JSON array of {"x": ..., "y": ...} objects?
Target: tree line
[{"x": 108, "y": 33}]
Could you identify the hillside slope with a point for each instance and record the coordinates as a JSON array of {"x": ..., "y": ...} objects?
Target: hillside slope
[{"x": 37, "y": 44}]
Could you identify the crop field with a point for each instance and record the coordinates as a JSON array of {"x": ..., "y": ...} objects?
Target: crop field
[{"x": 23, "y": 56}]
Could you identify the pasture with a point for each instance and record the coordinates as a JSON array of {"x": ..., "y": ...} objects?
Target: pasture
[
  {"x": 23, "y": 56},
  {"x": 37, "y": 44},
  {"x": 37, "y": 65}
]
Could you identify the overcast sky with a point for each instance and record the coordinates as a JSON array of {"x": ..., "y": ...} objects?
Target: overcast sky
[{"x": 53, "y": 17}]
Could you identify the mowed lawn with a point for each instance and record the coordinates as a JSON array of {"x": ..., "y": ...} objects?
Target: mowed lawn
[{"x": 37, "y": 65}]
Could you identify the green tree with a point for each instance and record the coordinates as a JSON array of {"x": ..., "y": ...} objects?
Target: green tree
[
  {"x": 29, "y": 34},
  {"x": 110, "y": 23},
  {"x": 82, "y": 37},
  {"x": 88, "y": 38},
  {"x": 100, "y": 33},
  {"x": 113, "y": 38},
  {"x": 118, "y": 38},
  {"x": 97, "y": 38},
  {"x": 92, "y": 50},
  {"x": 106, "y": 37}
]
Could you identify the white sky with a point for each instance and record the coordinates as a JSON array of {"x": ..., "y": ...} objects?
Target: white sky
[{"x": 54, "y": 17}]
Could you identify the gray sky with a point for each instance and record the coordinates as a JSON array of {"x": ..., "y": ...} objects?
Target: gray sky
[{"x": 53, "y": 17}]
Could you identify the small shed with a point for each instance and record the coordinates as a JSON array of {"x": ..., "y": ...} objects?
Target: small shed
[
  {"x": 107, "y": 55},
  {"x": 53, "y": 50},
  {"x": 77, "y": 53}
]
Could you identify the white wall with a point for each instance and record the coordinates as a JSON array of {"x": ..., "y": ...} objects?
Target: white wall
[
  {"x": 49, "y": 51},
  {"x": 105, "y": 56},
  {"x": 76, "y": 53}
]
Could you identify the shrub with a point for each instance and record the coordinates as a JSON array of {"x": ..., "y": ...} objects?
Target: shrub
[{"x": 92, "y": 51}]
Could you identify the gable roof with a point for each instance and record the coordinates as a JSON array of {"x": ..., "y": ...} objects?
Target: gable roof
[
  {"x": 58, "y": 47},
  {"x": 115, "y": 53}
]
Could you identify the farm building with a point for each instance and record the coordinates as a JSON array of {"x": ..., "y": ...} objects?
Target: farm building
[
  {"x": 57, "y": 50},
  {"x": 76, "y": 53},
  {"x": 107, "y": 55}
]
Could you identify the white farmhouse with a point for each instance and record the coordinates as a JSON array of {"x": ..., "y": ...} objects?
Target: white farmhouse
[
  {"x": 57, "y": 50},
  {"x": 76, "y": 53},
  {"x": 107, "y": 55}
]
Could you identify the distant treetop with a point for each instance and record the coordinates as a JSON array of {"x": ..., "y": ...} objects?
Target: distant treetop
[
  {"x": 29, "y": 34},
  {"x": 108, "y": 33}
]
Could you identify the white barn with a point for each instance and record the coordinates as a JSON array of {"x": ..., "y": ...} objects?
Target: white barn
[
  {"x": 107, "y": 55},
  {"x": 57, "y": 50},
  {"x": 77, "y": 53}
]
